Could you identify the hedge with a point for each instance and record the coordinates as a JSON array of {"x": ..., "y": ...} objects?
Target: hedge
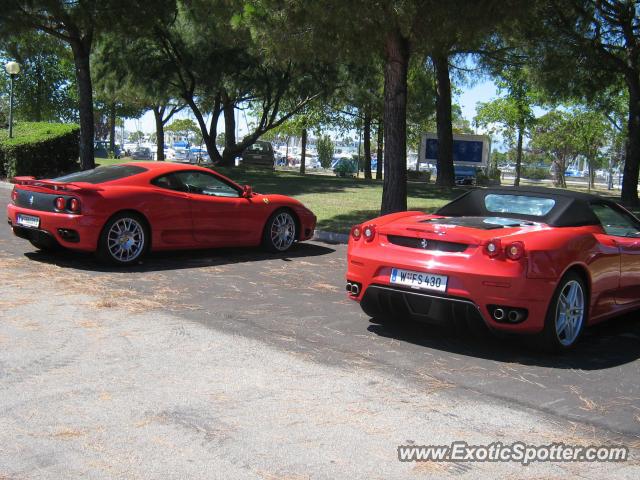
[{"x": 40, "y": 149}]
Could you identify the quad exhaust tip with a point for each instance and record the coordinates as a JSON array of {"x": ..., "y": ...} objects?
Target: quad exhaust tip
[{"x": 498, "y": 314}]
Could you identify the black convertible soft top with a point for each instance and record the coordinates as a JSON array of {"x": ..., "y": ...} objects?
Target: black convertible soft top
[{"x": 571, "y": 209}]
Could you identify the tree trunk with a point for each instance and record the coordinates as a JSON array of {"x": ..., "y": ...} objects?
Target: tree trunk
[
  {"x": 380, "y": 152},
  {"x": 209, "y": 141},
  {"x": 303, "y": 153},
  {"x": 40, "y": 97},
  {"x": 446, "y": 174},
  {"x": 229, "y": 153},
  {"x": 158, "y": 112},
  {"x": 81, "y": 50},
  {"x": 394, "y": 189},
  {"x": 367, "y": 143},
  {"x": 516, "y": 181},
  {"x": 629, "y": 194},
  {"x": 112, "y": 128},
  {"x": 559, "y": 166}
]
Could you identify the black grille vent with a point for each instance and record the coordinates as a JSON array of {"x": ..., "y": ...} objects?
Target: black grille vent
[
  {"x": 38, "y": 200},
  {"x": 427, "y": 244}
]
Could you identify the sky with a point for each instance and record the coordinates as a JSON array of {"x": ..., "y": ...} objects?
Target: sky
[{"x": 481, "y": 92}]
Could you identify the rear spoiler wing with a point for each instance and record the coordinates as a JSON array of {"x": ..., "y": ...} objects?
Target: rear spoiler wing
[{"x": 31, "y": 181}]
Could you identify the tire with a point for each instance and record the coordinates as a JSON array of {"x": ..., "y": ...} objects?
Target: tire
[
  {"x": 124, "y": 239},
  {"x": 280, "y": 231},
  {"x": 567, "y": 314}
]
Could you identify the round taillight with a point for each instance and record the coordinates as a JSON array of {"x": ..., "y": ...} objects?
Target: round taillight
[
  {"x": 14, "y": 195},
  {"x": 515, "y": 250},
  {"x": 493, "y": 248},
  {"x": 356, "y": 232},
  {"x": 369, "y": 232},
  {"x": 61, "y": 203},
  {"x": 74, "y": 205}
]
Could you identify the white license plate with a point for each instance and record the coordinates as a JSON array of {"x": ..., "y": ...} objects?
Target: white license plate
[
  {"x": 418, "y": 280},
  {"x": 28, "y": 220}
]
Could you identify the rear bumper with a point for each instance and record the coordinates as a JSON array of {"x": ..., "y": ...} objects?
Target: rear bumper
[
  {"x": 76, "y": 232},
  {"x": 475, "y": 286},
  {"x": 392, "y": 302}
]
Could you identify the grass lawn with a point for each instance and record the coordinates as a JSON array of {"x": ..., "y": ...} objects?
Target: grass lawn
[{"x": 340, "y": 203}]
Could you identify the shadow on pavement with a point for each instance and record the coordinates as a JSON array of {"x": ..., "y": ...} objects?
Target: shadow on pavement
[
  {"x": 176, "y": 260},
  {"x": 606, "y": 345}
]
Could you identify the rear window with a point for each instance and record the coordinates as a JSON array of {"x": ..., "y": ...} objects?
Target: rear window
[
  {"x": 102, "y": 174},
  {"x": 519, "y": 204},
  {"x": 259, "y": 147}
]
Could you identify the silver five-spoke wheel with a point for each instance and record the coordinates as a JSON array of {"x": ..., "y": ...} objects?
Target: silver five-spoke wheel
[{"x": 569, "y": 313}]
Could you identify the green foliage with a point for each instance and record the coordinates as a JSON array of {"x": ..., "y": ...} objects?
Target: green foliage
[
  {"x": 325, "y": 149},
  {"x": 136, "y": 136},
  {"x": 534, "y": 173},
  {"x": 182, "y": 126},
  {"x": 39, "y": 149},
  {"x": 45, "y": 89}
]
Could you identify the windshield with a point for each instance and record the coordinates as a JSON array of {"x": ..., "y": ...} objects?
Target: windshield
[
  {"x": 102, "y": 174},
  {"x": 519, "y": 204}
]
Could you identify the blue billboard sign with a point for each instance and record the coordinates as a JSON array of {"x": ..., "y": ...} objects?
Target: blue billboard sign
[{"x": 464, "y": 151}]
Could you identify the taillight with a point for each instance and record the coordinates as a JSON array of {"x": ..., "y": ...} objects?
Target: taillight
[
  {"x": 356, "y": 232},
  {"x": 369, "y": 232},
  {"x": 14, "y": 195},
  {"x": 515, "y": 250},
  {"x": 74, "y": 205},
  {"x": 493, "y": 247},
  {"x": 61, "y": 203}
]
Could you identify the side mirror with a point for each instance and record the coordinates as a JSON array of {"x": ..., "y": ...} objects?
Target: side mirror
[{"x": 247, "y": 192}]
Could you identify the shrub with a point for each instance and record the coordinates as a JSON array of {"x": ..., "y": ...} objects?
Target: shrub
[
  {"x": 533, "y": 173},
  {"x": 39, "y": 149},
  {"x": 491, "y": 180},
  {"x": 422, "y": 176},
  {"x": 325, "y": 151}
]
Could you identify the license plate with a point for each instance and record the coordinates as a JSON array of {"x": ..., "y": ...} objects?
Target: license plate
[
  {"x": 28, "y": 220},
  {"x": 418, "y": 280}
]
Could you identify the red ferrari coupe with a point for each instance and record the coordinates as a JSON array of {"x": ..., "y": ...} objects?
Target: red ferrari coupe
[
  {"x": 123, "y": 211},
  {"x": 530, "y": 260}
]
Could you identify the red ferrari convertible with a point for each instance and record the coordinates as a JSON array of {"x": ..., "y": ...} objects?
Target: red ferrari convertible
[
  {"x": 530, "y": 260},
  {"x": 123, "y": 211}
]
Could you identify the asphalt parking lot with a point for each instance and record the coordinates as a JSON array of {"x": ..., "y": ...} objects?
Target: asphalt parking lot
[{"x": 252, "y": 310}]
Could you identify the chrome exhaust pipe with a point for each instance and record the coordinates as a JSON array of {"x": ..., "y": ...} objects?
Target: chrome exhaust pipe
[
  {"x": 348, "y": 286},
  {"x": 514, "y": 316},
  {"x": 355, "y": 290},
  {"x": 498, "y": 314}
]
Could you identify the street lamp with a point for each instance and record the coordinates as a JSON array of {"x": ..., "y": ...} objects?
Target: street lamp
[{"x": 13, "y": 69}]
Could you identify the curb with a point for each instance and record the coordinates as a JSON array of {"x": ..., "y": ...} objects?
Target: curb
[{"x": 330, "y": 237}]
